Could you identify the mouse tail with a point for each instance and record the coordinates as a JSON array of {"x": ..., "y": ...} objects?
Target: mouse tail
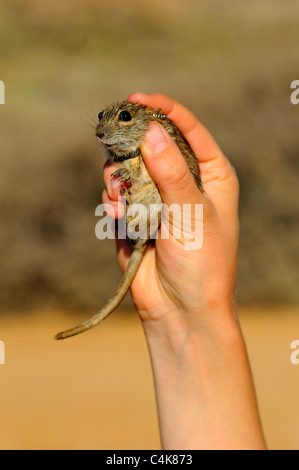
[{"x": 114, "y": 301}]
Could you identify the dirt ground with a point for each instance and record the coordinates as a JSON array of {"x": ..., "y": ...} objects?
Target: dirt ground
[{"x": 96, "y": 392}]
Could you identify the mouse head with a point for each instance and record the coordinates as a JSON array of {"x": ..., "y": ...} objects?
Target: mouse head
[{"x": 122, "y": 126}]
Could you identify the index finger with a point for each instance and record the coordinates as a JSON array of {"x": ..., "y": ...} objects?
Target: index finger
[
  {"x": 112, "y": 184},
  {"x": 199, "y": 138}
]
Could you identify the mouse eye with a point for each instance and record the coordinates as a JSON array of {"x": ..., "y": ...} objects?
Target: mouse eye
[
  {"x": 125, "y": 116},
  {"x": 100, "y": 115}
]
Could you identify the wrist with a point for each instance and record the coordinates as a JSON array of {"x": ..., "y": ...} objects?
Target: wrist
[
  {"x": 204, "y": 388},
  {"x": 175, "y": 335},
  {"x": 218, "y": 317}
]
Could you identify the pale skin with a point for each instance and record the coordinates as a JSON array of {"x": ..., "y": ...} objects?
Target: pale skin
[{"x": 186, "y": 299}]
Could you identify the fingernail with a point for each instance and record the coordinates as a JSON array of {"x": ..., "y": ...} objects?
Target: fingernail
[
  {"x": 109, "y": 210},
  {"x": 114, "y": 186},
  {"x": 155, "y": 139}
]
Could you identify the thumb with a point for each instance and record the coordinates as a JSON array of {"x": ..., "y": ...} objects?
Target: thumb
[{"x": 168, "y": 168}]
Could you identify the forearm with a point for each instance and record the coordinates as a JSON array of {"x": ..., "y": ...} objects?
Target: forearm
[{"x": 204, "y": 389}]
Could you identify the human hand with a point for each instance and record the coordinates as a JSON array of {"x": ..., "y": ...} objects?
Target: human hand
[
  {"x": 172, "y": 280},
  {"x": 186, "y": 299}
]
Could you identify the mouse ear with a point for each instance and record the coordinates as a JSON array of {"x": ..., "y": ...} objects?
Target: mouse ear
[{"x": 158, "y": 116}]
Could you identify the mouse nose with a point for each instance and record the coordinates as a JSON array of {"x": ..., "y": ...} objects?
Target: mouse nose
[{"x": 100, "y": 136}]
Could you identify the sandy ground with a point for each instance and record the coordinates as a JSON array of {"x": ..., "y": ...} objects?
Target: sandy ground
[{"x": 96, "y": 392}]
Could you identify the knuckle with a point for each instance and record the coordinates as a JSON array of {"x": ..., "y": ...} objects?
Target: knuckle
[{"x": 178, "y": 177}]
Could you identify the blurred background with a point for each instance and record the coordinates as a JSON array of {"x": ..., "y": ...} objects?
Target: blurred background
[{"x": 62, "y": 63}]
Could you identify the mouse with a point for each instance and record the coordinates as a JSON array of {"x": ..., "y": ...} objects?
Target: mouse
[{"x": 121, "y": 128}]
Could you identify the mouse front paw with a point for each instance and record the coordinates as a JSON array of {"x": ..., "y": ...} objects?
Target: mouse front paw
[{"x": 123, "y": 175}]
